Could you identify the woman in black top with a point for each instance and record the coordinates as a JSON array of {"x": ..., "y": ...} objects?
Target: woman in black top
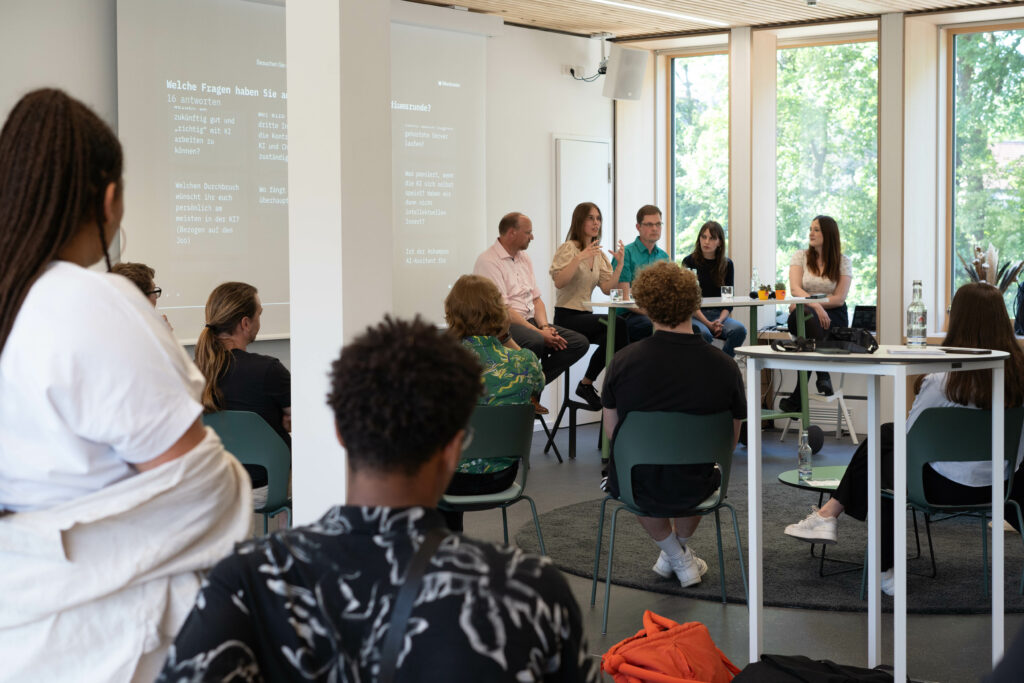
[{"x": 714, "y": 269}]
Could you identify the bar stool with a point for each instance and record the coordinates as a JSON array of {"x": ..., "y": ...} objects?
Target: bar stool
[{"x": 571, "y": 405}]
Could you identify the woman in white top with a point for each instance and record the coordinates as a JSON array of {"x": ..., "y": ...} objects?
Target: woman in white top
[
  {"x": 821, "y": 269},
  {"x": 101, "y": 444},
  {"x": 578, "y": 267},
  {"x": 977, "y": 319}
]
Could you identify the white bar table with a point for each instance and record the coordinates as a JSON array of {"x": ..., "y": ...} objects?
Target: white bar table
[
  {"x": 895, "y": 362},
  {"x": 713, "y": 302}
]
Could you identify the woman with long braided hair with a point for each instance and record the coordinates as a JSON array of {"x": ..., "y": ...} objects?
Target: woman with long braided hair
[{"x": 101, "y": 445}]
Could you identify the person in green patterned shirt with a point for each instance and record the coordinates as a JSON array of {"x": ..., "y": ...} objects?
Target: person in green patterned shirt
[{"x": 476, "y": 314}]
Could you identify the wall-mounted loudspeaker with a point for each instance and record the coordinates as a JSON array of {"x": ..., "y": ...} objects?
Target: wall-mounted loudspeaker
[{"x": 625, "y": 77}]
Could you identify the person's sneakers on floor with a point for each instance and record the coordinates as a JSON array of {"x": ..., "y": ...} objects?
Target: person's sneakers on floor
[
  {"x": 815, "y": 529},
  {"x": 589, "y": 394},
  {"x": 888, "y": 582},
  {"x": 538, "y": 409},
  {"x": 687, "y": 567}
]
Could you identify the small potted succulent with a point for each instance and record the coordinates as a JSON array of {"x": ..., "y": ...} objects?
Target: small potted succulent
[
  {"x": 762, "y": 292},
  {"x": 780, "y": 290}
]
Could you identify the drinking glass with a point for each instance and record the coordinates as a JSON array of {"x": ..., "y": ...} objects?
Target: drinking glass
[
  {"x": 616, "y": 295},
  {"x": 727, "y": 292}
]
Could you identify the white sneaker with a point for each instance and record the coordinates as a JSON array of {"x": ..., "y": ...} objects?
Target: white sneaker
[
  {"x": 888, "y": 582},
  {"x": 688, "y": 568},
  {"x": 815, "y": 529}
]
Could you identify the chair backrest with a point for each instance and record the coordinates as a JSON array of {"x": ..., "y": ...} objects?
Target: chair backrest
[
  {"x": 957, "y": 435},
  {"x": 665, "y": 438},
  {"x": 501, "y": 432},
  {"x": 250, "y": 439}
]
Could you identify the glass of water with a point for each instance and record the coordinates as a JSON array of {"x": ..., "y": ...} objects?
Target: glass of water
[
  {"x": 727, "y": 292},
  {"x": 616, "y": 295}
]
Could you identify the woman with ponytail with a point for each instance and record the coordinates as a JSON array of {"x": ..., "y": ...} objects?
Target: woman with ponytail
[{"x": 101, "y": 445}]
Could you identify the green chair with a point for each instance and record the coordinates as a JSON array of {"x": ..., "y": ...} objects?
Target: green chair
[
  {"x": 500, "y": 432},
  {"x": 664, "y": 438},
  {"x": 254, "y": 442},
  {"x": 956, "y": 435}
]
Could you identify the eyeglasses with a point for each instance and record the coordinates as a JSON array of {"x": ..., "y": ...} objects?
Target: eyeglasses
[
  {"x": 155, "y": 292},
  {"x": 652, "y": 225},
  {"x": 467, "y": 438}
]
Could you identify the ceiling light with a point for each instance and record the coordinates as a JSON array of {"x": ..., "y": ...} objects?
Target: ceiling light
[{"x": 660, "y": 12}]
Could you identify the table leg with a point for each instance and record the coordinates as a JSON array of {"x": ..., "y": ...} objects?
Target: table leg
[
  {"x": 899, "y": 506},
  {"x": 801, "y": 331},
  {"x": 998, "y": 418},
  {"x": 755, "y": 570},
  {"x": 874, "y": 522},
  {"x": 606, "y": 447}
]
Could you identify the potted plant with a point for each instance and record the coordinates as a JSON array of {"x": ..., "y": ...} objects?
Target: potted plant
[
  {"x": 780, "y": 290},
  {"x": 762, "y": 292}
]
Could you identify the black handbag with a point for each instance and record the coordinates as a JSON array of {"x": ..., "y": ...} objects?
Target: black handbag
[
  {"x": 800, "y": 669},
  {"x": 848, "y": 339}
]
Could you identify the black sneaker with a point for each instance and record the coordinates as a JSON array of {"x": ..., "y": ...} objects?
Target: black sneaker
[
  {"x": 589, "y": 394},
  {"x": 790, "y": 404},
  {"x": 824, "y": 384}
]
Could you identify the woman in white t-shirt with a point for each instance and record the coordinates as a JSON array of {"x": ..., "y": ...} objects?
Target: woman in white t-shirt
[
  {"x": 579, "y": 265},
  {"x": 101, "y": 443},
  {"x": 820, "y": 269},
  {"x": 978, "y": 320}
]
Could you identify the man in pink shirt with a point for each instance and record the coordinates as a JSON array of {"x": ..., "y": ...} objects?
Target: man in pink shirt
[{"x": 509, "y": 266}]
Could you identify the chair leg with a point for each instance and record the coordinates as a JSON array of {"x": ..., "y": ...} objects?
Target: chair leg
[
  {"x": 849, "y": 422},
  {"x": 536, "y": 524},
  {"x": 721, "y": 557},
  {"x": 917, "y": 534},
  {"x": 785, "y": 429},
  {"x": 597, "y": 550},
  {"x": 931, "y": 548},
  {"x": 739, "y": 548},
  {"x": 550, "y": 437},
  {"x": 504, "y": 523},
  {"x": 608, "y": 575},
  {"x": 572, "y": 432},
  {"x": 984, "y": 550},
  {"x": 266, "y": 521}
]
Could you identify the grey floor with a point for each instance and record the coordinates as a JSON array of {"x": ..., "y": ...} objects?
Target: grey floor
[{"x": 940, "y": 648}]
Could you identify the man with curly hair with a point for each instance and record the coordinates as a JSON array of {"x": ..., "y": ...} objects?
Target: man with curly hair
[
  {"x": 316, "y": 602},
  {"x": 673, "y": 370}
]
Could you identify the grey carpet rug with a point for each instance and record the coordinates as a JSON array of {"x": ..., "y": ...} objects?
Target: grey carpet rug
[{"x": 791, "y": 575}]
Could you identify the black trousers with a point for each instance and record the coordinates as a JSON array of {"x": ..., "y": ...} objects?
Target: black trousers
[
  {"x": 852, "y": 491},
  {"x": 590, "y": 326},
  {"x": 839, "y": 316}
]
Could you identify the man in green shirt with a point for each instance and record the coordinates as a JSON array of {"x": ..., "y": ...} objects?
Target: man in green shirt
[{"x": 639, "y": 254}]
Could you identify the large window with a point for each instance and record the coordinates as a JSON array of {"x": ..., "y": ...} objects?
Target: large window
[
  {"x": 700, "y": 147},
  {"x": 987, "y": 175},
  {"x": 827, "y": 154}
]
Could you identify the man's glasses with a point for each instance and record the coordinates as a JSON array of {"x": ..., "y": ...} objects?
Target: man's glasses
[
  {"x": 155, "y": 293},
  {"x": 652, "y": 225},
  {"x": 467, "y": 438}
]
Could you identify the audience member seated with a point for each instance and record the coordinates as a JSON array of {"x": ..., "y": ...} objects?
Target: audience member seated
[
  {"x": 507, "y": 265},
  {"x": 114, "y": 499},
  {"x": 478, "y": 318},
  {"x": 578, "y": 267},
  {"x": 141, "y": 276},
  {"x": 237, "y": 379},
  {"x": 820, "y": 269},
  {"x": 715, "y": 269},
  {"x": 638, "y": 254},
  {"x": 977, "y": 319},
  {"x": 316, "y": 602},
  {"x": 675, "y": 371}
]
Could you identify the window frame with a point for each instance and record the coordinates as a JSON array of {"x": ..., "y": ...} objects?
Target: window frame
[
  {"x": 670, "y": 103},
  {"x": 951, "y": 32}
]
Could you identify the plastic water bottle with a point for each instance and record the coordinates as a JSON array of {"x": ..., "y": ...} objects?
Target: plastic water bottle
[
  {"x": 755, "y": 282},
  {"x": 917, "y": 320},
  {"x": 803, "y": 458}
]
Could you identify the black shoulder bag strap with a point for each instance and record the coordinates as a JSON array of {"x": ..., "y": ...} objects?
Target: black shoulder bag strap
[{"x": 404, "y": 602}]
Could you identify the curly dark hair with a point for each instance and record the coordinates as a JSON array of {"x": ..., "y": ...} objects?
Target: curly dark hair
[
  {"x": 668, "y": 294},
  {"x": 400, "y": 392}
]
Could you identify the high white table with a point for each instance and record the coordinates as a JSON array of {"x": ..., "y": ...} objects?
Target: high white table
[
  {"x": 716, "y": 302},
  {"x": 895, "y": 362}
]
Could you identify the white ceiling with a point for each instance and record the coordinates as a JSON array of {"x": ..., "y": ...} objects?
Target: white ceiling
[{"x": 628, "y": 18}]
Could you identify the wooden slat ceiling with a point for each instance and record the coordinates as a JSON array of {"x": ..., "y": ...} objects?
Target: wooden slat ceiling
[{"x": 587, "y": 17}]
